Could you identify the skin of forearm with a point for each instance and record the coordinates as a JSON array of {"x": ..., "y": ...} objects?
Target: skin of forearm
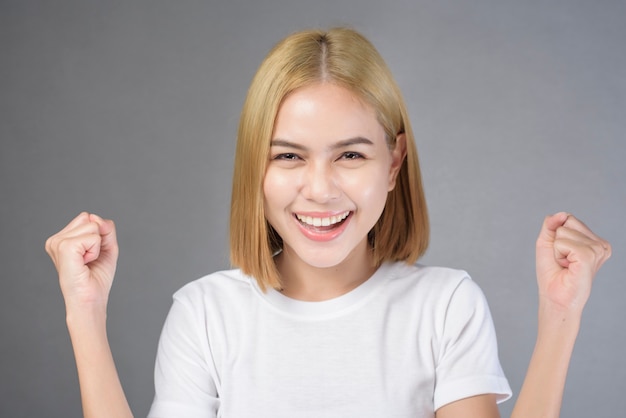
[
  {"x": 542, "y": 392},
  {"x": 100, "y": 388}
]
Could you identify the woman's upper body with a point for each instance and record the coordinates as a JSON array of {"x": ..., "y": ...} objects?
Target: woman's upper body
[
  {"x": 430, "y": 340},
  {"x": 404, "y": 343}
]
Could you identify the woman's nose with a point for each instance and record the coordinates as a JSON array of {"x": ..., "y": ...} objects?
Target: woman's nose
[{"x": 320, "y": 183}]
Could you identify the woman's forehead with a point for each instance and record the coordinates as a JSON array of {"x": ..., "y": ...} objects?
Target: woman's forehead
[{"x": 325, "y": 109}]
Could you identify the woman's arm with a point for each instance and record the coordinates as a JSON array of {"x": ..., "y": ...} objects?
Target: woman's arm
[
  {"x": 542, "y": 391},
  {"x": 85, "y": 256},
  {"x": 569, "y": 255},
  {"x": 480, "y": 406}
]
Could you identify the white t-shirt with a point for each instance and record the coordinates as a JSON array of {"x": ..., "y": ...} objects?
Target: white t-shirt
[{"x": 406, "y": 342}]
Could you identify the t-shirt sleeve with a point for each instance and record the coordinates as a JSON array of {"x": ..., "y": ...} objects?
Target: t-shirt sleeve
[
  {"x": 468, "y": 363},
  {"x": 184, "y": 376}
]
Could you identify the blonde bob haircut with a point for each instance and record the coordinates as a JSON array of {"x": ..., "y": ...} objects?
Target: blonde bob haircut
[{"x": 344, "y": 57}]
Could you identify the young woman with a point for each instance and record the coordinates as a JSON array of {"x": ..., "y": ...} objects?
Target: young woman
[{"x": 327, "y": 315}]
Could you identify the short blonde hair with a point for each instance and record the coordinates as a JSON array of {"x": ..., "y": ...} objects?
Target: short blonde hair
[{"x": 344, "y": 57}]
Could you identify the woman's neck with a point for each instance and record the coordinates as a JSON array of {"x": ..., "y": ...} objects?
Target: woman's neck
[{"x": 303, "y": 281}]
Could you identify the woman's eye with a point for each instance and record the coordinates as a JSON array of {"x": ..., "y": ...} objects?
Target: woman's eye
[
  {"x": 287, "y": 156},
  {"x": 350, "y": 155}
]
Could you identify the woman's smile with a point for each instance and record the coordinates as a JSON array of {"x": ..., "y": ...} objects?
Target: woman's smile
[
  {"x": 323, "y": 228},
  {"x": 321, "y": 220}
]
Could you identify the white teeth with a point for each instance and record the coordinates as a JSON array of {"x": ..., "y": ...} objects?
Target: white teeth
[{"x": 323, "y": 221}]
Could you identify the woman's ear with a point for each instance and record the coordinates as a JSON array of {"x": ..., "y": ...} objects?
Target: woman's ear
[{"x": 398, "y": 154}]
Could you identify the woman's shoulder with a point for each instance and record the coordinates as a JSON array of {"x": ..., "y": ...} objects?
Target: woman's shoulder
[
  {"x": 433, "y": 282},
  {"x": 428, "y": 276},
  {"x": 224, "y": 284}
]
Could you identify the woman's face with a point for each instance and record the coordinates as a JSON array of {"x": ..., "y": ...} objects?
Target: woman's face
[{"x": 328, "y": 176}]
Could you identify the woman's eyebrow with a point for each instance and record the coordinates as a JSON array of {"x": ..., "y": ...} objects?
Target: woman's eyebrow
[
  {"x": 288, "y": 144},
  {"x": 352, "y": 141},
  {"x": 277, "y": 142}
]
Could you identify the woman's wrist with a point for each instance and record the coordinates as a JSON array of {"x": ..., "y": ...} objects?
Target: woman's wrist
[
  {"x": 85, "y": 317},
  {"x": 558, "y": 324}
]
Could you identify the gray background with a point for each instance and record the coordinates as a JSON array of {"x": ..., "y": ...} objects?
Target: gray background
[{"x": 129, "y": 109}]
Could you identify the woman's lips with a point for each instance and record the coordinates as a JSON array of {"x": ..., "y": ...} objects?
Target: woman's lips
[
  {"x": 322, "y": 227},
  {"x": 317, "y": 221}
]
